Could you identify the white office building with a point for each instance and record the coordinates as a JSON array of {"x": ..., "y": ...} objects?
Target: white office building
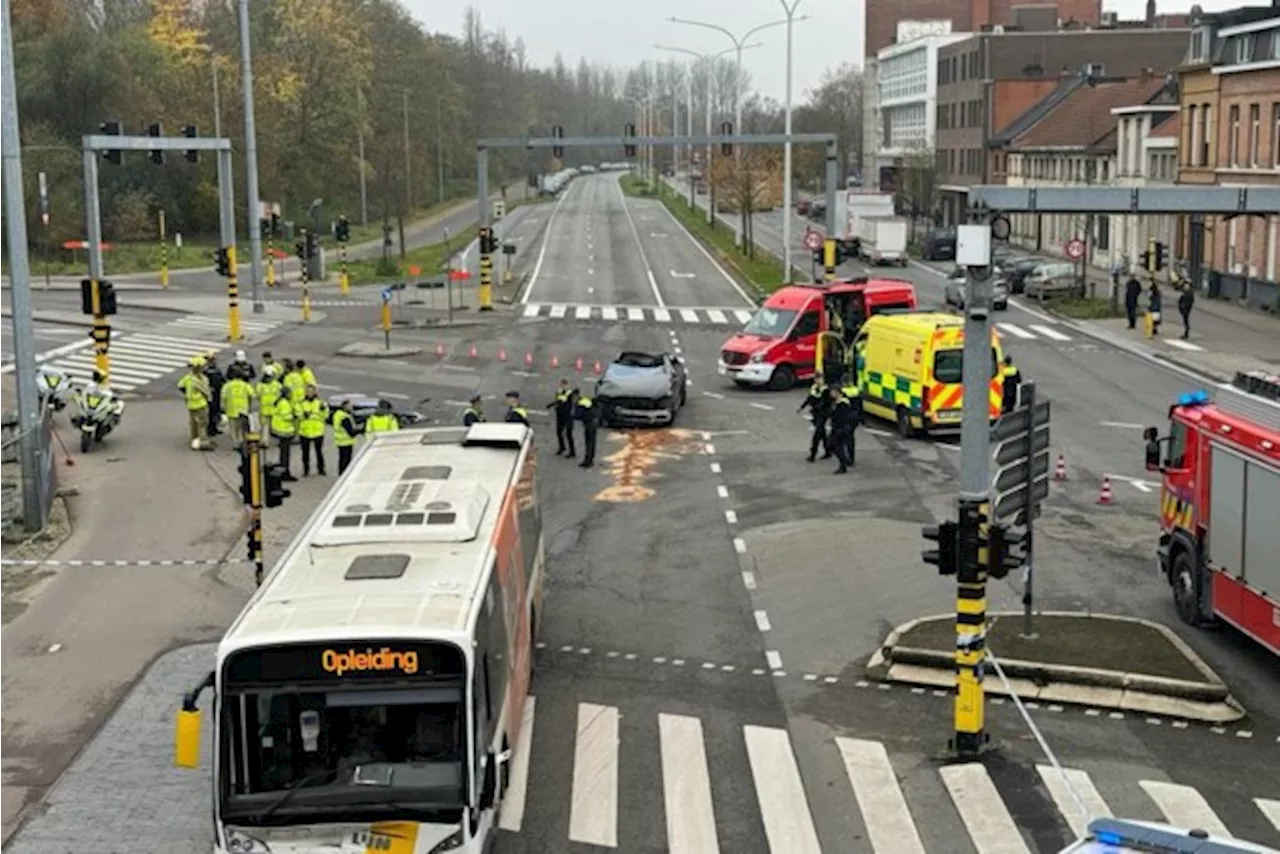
[{"x": 907, "y": 84}]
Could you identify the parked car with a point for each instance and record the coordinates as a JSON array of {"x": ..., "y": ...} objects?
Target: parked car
[
  {"x": 363, "y": 405},
  {"x": 939, "y": 244},
  {"x": 1053, "y": 279},
  {"x": 642, "y": 388},
  {"x": 953, "y": 294},
  {"x": 817, "y": 210},
  {"x": 1016, "y": 269}
]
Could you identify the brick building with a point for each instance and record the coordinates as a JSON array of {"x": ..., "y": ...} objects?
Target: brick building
[
  {"x": 1230, "y": 124},
  {"x": 992, "y": 79},
  {"x": 966, "y": 16}
]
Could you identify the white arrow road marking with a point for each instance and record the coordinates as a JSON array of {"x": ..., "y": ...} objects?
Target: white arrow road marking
[{"x": 676, "y": 275}]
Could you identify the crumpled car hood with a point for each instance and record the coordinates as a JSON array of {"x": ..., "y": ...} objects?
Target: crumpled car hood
[{"x": 628, "y": 381}]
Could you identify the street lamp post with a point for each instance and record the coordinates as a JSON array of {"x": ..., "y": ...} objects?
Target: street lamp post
[{"x": 786, "y": 152}]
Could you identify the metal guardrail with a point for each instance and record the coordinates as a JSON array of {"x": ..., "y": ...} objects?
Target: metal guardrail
[{"x": 12, "y": 510}]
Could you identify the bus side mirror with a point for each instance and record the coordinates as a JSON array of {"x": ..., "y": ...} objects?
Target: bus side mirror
[{"x": 186, "y": 739}]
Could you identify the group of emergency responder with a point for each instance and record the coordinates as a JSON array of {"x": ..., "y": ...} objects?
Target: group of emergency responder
[
  {"x": 286, "y": 398},
  {"x": 570, "y": 404},
  {"x": 840, "y": 406}
]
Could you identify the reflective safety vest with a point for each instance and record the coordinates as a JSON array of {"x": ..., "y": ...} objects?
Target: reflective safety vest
[
  {"x": 518, "y": 415},
  {"x": 271, "y": 370},
  {"x": 236, "y": 395},
  {"x": 195, "y": 388},
  {"x": 313, "y": 414},
  {"x": 269, "y": 391},
  {"x": 308, "y": 376},
  {"x": 381, "y": 423},
  {"x": 586, "y": 402},
  {"x": 283, "y": 421},
  {"x": 342, "y": 424},
  {"x": 818, "y": 390},
  {"x": 471, "y": 415},
  {"x": 850, "y": 391},
  {"x": 295, "y": 386}
]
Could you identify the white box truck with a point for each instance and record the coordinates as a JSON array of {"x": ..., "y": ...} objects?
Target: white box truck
[
  {"x": 851, "y": 207},
  {"x": 882, "y": 240}
]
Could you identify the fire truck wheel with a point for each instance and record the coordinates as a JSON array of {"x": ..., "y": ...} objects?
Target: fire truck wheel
[{"x": 1186, "y": 593}]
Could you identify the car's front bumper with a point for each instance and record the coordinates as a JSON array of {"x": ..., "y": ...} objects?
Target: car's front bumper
[
  {"x": 631, "y": 415},
  {"x": 752, "y": 373}
]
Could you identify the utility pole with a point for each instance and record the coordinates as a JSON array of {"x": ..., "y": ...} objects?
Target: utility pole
[
  {"x": 364, "y": 189},
  {"x": 688, "y": 128},
  {"x": 24, "y": 362},
  {"x": 786, "y": 152},
  {"x": 252, "y": 202},
  {"x": 217, "y": 102},
  {"x": 408, "y": 183},
  {"x": 439, "y": 149}
]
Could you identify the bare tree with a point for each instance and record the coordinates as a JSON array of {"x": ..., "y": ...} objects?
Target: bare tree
[
  {"x": 836, "y": 105},
  {"x": 916, "y": 185}
]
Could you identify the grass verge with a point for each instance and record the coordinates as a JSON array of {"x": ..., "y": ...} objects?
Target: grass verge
[
  {"x": 1079, "y": 308},
  {"x": 762, "y": 273},
  {"x": 1072, "y": 641}
]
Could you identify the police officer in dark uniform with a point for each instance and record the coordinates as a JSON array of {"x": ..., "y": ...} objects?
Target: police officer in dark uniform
[
  {"x": 216, "y": 379},
  {"x": 588, "y": 413},
  {"x": 474, "y": 413},
  {"x": 564, "y": 403},
  {"x": 516, "y": 414},
  {"x": 844, "y": 418},
  {"x": 819, "y": 405}
]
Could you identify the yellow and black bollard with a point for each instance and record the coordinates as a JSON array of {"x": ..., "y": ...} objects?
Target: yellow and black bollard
[
  {"x": 486, "y": 269},
  {"x": 253, "y": 450},
  {"x": 271, "y": 262},
  {"x": 386, "y": 320},
  {"x": 829, "y": 259},
  {"x": 971, "y": 630},
  {"x": 233, "y": 297},
  {"x": 164, "y": 255},
  {"x": 344, "y": 280},
  {"x": 101, "y": 330}
]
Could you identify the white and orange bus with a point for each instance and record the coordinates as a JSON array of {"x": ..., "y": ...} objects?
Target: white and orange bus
[{"x": 369, "y": 697}]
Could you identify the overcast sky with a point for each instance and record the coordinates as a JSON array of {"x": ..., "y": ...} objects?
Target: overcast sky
[{"x": 624, "y": 33}]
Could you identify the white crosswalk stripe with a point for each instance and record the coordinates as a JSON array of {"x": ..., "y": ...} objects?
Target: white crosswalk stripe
[
  {"x": 203, "y": 324},
  {"x": 1033, "y": 332},
  {"x": 1015, "y": 330},
  {"x": 694, "y": 316},
  {"x": 1050, "y": 332},
  {"x": 881, "y": 796}
]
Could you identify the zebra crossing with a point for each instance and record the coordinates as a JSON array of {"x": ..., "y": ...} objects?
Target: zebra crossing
[
  {"x": 139, "y": 358},
  {"x": 987, "y": 803},
  {"x": 699, "y": 316},
  {"x": 1033, "y": 331}
]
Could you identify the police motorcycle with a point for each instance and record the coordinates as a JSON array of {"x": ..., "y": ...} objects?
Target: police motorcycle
[
  {"x": 54, "y": 388},
  {"x": 100, "y": 413}
]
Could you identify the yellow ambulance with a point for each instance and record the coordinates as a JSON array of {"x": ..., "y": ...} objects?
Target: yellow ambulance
[{"x": 909, "y": 370}]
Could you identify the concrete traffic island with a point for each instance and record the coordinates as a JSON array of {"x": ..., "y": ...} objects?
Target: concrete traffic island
[
  {"x": 377, "y": 350},
  {"x": 1096, "y": 660}
]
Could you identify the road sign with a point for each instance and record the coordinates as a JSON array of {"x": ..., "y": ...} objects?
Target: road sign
[
  {"x": 1012, "y": 504},
  {"x": 499, "y": 209},
  {"x": 1016, "y": 474},
  {"x": 1018, "y": 421},
  {"x": 812, "y": 240},
  {"x": 1074, "y": 249},
  {"x": 1021, "y": 456}
]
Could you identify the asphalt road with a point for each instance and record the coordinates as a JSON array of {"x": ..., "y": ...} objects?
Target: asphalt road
[{"x": 725, "y": 616}]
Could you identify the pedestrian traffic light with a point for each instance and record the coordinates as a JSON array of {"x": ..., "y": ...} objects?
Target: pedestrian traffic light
[
  {"x": 156, "y": 130},
  {"x": 246, "y": 487},
  {"x": 1145, "y": 260},
  {"x": 946, "y": 556},
  {"x": 557, "y": 151},
  {"x": 726, "y": 129},
  {"x": 1004, "y": 550},
  {"x": 111, "y": 129},
  {"x": 274, "y": 494},
  {"x": 342, "y": 230},
  {"x": 223, "y": 261},
  {"x": 487, "y": 240},
  {"x": 309, "y": 243},
  {"x": 275, "y": 225},
  {"x": 630, "y": 131},
  {"x": 191, "y": 132},
  {"x": 107, "y": 297},
  {"x": 264, "y": 228},
  {"x": 1160, "y": 256},
  {"x": 106, "y": 303}
]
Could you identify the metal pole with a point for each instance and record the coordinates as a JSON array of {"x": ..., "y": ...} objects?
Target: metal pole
[
  {"x": 688, "y": 128},
  {"x": 439, "y": 149},
  {"x": 486, "y": 260},
  {"x": 408, "y": 184},
  {"x": 737, "y": 98},
  {"x": 1027, "y": 392},
  {"x": 786, "y": 154},
  {"x": 217, "y": 103},
  {"x": 227, "y": 217},
  {"x": 93, "y": 227},
  {"x": 252, "y": 203},
  {"x": 706, "y": 167},
  {"x": 24, "y": 362},
  {"x": 364, "y": 189}
]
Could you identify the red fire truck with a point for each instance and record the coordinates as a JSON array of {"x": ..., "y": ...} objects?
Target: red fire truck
[{"x": 1220, "y": 528}]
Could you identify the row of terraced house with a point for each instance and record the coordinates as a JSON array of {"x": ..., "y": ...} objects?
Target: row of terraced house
[{"x": 1172, "y": 99}]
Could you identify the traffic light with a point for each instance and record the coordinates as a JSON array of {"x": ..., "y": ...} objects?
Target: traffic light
[
  {"x": 275, "y": 225},
  {"x": 946, "y": 556},
  {"x": 726, "y": 129},
  {"x": 488, "y": 241},
  {"x": 264, "y": 228},
  {"x": 274, "y": 494},
  {"x": 111, "y": 129},
  {"x": 1160, "y": 256},
  {"x": 342, "y": 230},
  {"x": 223, "y": 261},
  {"x": 628, "y": 149},
  {"x": 246, "y": 485},
  {"x": 309, "y": 244},
  {"x": 156, "y": 130},
  {"x": 1004, "y": 550},
  {"x": 557, "y": 151},
  {"x": 1146, "y": 259},
  {"x": 106, "y": 297},
  {"x": 191, "y": 154}
]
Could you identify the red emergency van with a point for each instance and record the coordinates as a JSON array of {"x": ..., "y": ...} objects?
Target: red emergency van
[{"x": 779, "y": 345}]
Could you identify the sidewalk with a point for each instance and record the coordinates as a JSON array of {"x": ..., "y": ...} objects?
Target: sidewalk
[{"x": 88, "y": 632}]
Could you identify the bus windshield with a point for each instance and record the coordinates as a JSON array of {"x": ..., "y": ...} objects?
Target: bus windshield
[{"x": 350, "y": 749}]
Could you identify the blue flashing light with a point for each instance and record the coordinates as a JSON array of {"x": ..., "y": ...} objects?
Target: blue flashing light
[
  {"x": 1193, "y": 398},
  {"x": 1107, "y": 838}
]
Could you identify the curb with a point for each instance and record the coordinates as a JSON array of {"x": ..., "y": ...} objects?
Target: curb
[
  {"x": 361, "y": 350},
  {"x": 1211, "y": 690}
]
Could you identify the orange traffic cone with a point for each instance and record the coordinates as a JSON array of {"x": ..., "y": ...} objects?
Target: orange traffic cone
[
  {"x": 502, "y": 354},
  {"x": 528, "y": 359},
  {"x": 1060, "y": 470},
  {"x": 1104, "y": 497},
  {"x": 555, "y": 361},
  {"x": 440, "y": 351},
  {"x": 598, "y": 367},
  {"x": 473, "y": 352},
  {"x": 577, "y": 365}
]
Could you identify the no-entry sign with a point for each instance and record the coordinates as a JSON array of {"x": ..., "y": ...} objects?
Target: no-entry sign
[
  {"x": 1074, "y": 249},
  {"x": 812, "y": 241}
]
